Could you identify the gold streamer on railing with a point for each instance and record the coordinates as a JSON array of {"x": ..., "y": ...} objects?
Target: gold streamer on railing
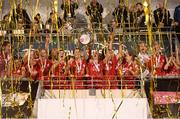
[{"x": 148, "y": 23}]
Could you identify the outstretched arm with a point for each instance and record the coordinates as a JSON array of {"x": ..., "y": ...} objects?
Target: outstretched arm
[
  {"x": 111, "y": 37},
  {"x": 168, "y": 63}
]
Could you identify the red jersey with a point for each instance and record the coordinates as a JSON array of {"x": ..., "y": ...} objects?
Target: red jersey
[
  {"x": 110, "y": 66},
  {"x": 17, "y": 72},
  {"x": 173, "y": 71},
  {"x": 34, "y": 68},
  {"x": 110, "y": 73},
  {"x": 95, "y": 71},
  {"x": 59, "y": 74},
  {"x": 158, "y": 62},
  {"x": 128, "y": 79},
  {"x": 78, "y": 70},
  {"x": 37, "y": 69},
  {"x": 45, "y": 67},
  {"x": 60, "y": 69}
]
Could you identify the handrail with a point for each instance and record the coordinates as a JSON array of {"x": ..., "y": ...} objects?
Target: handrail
[
  {"x": 140, "y": 33},
  {"x": 119, "y": 77}
]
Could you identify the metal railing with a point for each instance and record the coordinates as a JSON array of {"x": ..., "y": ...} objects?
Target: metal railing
[{"x": 91, "y": 81}]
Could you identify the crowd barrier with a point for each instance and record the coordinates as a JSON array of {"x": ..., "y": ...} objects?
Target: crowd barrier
[{"x": 19, "y": 95}]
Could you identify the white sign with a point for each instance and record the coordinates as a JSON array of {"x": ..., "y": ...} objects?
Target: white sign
[{"x": 93, "y": 108}]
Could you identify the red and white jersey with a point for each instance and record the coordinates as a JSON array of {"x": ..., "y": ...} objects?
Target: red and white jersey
[
  {"x": 17, "y": 72},
  {"x": 159, "y": 63},
  {"x": 78, "y": 67},
  {"x": 59, "y": 76},
  {"x": 45, "y": 66},
  {"x": 38, "y": 75},
  {"x": 172, "y": 70},
  {"x": 143, "y": 57},
  {"x": 60, "y": 69},
  {"x": 95, "y": 69},
  {"x": 128, "y": 77},
  {"x": 127, "y": 67},
  {"x": 110, "y": 72},
  {"x": 119, "y": 63},
  {"x": 110, "y": 67},
  {"x": 34, "y": 68}
]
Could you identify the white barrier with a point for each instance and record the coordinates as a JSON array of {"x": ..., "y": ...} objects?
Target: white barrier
[
  {"x": 93, "y": 107},
  {"x": 131, "y": 108}
]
